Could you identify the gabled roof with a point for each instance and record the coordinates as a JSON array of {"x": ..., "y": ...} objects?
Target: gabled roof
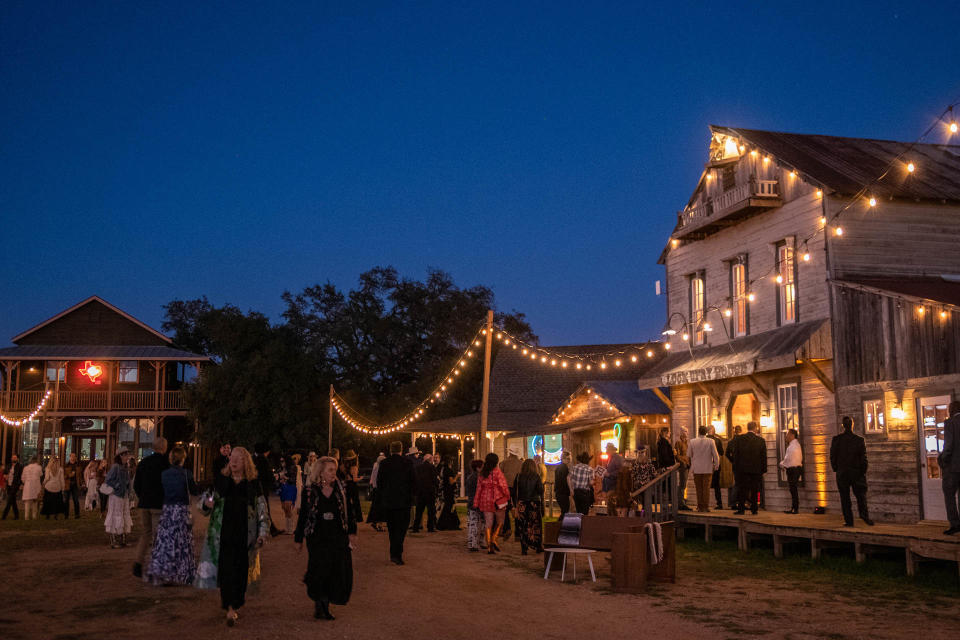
[
  {"x": 89, "y": 300},
  {"x": 846, "y": 165}
]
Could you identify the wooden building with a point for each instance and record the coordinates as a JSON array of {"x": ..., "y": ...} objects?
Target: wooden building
[
  {"x": 783, "y": 275},
  {"x": 112, "y": 380}
]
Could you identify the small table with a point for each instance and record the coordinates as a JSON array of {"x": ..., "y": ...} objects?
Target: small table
[{"x": 574, "y": 551}]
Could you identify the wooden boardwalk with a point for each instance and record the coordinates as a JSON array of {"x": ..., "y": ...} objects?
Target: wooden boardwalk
[{"x": 919, "y": 541}]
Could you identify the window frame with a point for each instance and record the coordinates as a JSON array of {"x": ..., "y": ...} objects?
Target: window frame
[
  {"x": 120, "y": 368},
  {"x": 699, "y": 399},
  {"x": 782, "y": 430},
  {"x": 697, "y": 313},
  {"x": 739, "y": 301},
  {"x": 874, "y": 400},
  {"x": 789, "y": 276},
  {"x": 61, "y": 373}
]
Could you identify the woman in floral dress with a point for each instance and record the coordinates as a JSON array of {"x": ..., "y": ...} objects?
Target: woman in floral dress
[{"x": 172, "y": 561}]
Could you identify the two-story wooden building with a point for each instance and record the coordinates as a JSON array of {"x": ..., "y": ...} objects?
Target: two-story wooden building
[
  {"x": 112, "y": 380},
  {"x": 801, "y": 288}
]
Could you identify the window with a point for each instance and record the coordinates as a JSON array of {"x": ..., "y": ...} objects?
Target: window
[
  {"x": 739, "y": 309},
  {"x": 697, "y": 305},
  {"x": 56, "y": 374},
  {"x": 128, "y": 371},
  {"x": 874, "y": 420},
  {"x": 788, "y": 417},
  {"x": 728, "y": 177},
  {"x": 701, "y": 413},
  {"x": 786, "y": 283}
]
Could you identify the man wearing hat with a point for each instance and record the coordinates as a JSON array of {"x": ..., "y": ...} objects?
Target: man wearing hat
[{"x": 510, "y": 467}]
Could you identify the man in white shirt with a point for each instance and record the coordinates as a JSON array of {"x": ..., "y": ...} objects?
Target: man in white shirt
[
  {"x": 792, "y": 463},
  {"x": 704, "y": 460}
]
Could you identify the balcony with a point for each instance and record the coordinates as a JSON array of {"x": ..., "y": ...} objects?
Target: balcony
[
  {"x": 727, "y": 209},
  {"x": 67, "y": 402}
]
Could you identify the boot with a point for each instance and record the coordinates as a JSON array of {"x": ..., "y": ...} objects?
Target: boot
[
  {"x": 114, "y": 543},
  {"x": 489, "y": 545}
]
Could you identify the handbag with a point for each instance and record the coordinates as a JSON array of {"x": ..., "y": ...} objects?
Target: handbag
[{"x": 106, "y": 489}]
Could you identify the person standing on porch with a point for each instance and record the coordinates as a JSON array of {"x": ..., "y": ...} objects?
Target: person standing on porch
[
  {"x": 665, "y": 456},
  {"x": 704, "y": 461},
  {"x": 14, "y": 476},
  {"x": 950, "y": 466},
  {"x": 848, "y": 457},
  {"x": 749, "y": 465},
  {"x": 680, "y": 453},
  {"x": 715, "y": 478},
  {"x": 792, "y": 464},
  {"x": 148, "y": 485},
  {"x": 395, "y": 482}
]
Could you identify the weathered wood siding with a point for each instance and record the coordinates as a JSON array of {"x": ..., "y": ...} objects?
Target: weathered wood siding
[
  {"x": 893, "y": 474},
  {"x": 755, "y": 237},
  {"x": 878, "y": 337},
  {"x": 93, "y": 323},
  {"x": 818, "y": 424},
  {"x": 894, "y": 238}
]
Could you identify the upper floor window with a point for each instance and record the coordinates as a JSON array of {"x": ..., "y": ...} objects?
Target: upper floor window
[
  {"x": 128, "y": 371},
  {"x": 786, "y": 283},
  {"x": 55, "y": 373},
  {"x": 697, "y": 307},
  {"x": 739, "y": 309}
]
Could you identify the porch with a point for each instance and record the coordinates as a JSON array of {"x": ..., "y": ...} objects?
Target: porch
[{"x": 97, "y": 402}]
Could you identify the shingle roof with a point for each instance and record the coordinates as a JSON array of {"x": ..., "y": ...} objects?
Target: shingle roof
[
  {"x": 97, "y": 352},
  {"x": 846, "y": 165},
  {"x": 628, "y": 397},
  {"x": 937, "y": 289}
]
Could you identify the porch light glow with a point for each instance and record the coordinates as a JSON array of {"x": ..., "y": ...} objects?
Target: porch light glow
[{"x": 897, "y": 413}]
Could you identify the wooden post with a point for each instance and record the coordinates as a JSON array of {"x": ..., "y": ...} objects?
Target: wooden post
[
  {"x": 485, "y": 404},
  {"x": 463, "y": 467},
  {"x": 330, "y": 422},
  {"x": 433, "y": 443}
]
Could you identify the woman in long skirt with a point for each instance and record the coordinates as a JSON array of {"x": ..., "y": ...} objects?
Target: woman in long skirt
[
  {"x": 238, "y": 529},
  {"x": 448, "y": 519},
  {"x": 171, "y": 560},
  {"x": 529, "y": 492},
  {"x": 90, "y": 480},
  {"x": 328, "y": 524},
  {"x": 118, "y": 486},
  {"x": 53, "y": 489}
]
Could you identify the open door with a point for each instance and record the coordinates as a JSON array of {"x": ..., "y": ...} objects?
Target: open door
[{"x": 931, "y": 413}]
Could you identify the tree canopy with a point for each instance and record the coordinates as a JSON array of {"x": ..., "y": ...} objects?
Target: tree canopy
[{"x": 383, "y": 345}]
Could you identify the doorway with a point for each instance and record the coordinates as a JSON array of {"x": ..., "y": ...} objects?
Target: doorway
[
  {"x": 931, "y": 413},
  {"x": 743, "y": 408},
  {"x": 87, "y": 446}
]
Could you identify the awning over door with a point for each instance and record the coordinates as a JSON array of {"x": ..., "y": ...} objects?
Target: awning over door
[{"x": 768, "y": 351}]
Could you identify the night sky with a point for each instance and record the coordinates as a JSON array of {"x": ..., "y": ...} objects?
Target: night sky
[{"x": 240, "y": 149}]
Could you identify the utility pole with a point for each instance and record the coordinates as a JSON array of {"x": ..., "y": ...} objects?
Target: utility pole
[
  {"x": 485, "y": 406},
  {"x": 330, "y": 422}
]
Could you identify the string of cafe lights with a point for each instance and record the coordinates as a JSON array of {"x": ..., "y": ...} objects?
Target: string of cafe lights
[
  {"x": 863, "y": 196},
  {"x": 33, "y": 414},
  {"x": 364, "y": 425}
]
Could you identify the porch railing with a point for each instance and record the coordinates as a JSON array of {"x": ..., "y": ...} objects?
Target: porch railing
[
  {"x": 658, "y": 498},
  {"x": 27, "y": 401}
]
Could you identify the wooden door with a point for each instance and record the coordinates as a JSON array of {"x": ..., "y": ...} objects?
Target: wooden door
[{"x": 931, "y": 413}]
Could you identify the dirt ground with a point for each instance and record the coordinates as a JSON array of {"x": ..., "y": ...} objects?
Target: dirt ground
[{"x": 57, "y": 588}]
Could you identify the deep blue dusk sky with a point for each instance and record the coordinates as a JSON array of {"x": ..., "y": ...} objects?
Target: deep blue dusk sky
[{"x": 240, "y": 149}]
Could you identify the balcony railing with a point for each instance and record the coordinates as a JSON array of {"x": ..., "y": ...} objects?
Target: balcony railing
[
  {"x": 65, "y": 401},
  {"x": 729, "y": 207}
]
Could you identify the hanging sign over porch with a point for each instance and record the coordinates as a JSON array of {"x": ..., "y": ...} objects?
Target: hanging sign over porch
[{"x": 716, "y": 372}]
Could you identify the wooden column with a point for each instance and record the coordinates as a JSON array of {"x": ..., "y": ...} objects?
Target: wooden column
[
  {"x": 463, "y": 466},
  {"x": 485, "y": 404}
]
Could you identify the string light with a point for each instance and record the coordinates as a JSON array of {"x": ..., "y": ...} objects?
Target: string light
[
  {"x": 911, "y": 167},
  {"x": 838, "y": 231},
  {"x": 33, "y": 414},
  {"x": 873, "y": 202}
]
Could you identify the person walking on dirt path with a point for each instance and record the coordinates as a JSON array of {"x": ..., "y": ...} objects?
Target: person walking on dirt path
[
  {"x": 395, "y": 486},
  {"x": 148, "y": 486},
  {"x": 32, "y": 485},
  {"x": 426, "y": 494},
  {"x": 328, "y": 524},
  {"x": 474, "y": 515},
  {"x": 510, "y": 468},
  {"x": 848, "y": 457},
  {"x": 117, "y": 486},
  {"x": 950, "y": 466},
  {"x": 492, "y": 498},
  {"x": 171, "y": 559},
  {"x": 266, "y": 479}
]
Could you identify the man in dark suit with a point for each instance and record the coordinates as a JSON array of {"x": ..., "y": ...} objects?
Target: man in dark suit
[
  {"x": 848, "y": 457},
  {"x": 949, "y": 466},
  {"x": 426, "y": 493},
  {"x": 715, "y": 480},
  {"x": 395, "y": 485},
  {"x": 749, "y": 460},
  {"x": 14, "y": 473}
]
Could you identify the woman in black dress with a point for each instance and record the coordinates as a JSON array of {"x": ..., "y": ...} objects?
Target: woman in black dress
[
  {"x": 243, "y": 518},
  {"x": 350, "y": 467},
  {"x": 448, "y": 519},
  {"x": 328, "y": 524}
]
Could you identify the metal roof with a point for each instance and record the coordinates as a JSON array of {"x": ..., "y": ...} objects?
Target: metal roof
[
  {"x": 938, "y": 289},
  {"x": 846, "y": 165},
  {"x": 98, "y": 352},
  {"x": 628, "y": 397}
]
